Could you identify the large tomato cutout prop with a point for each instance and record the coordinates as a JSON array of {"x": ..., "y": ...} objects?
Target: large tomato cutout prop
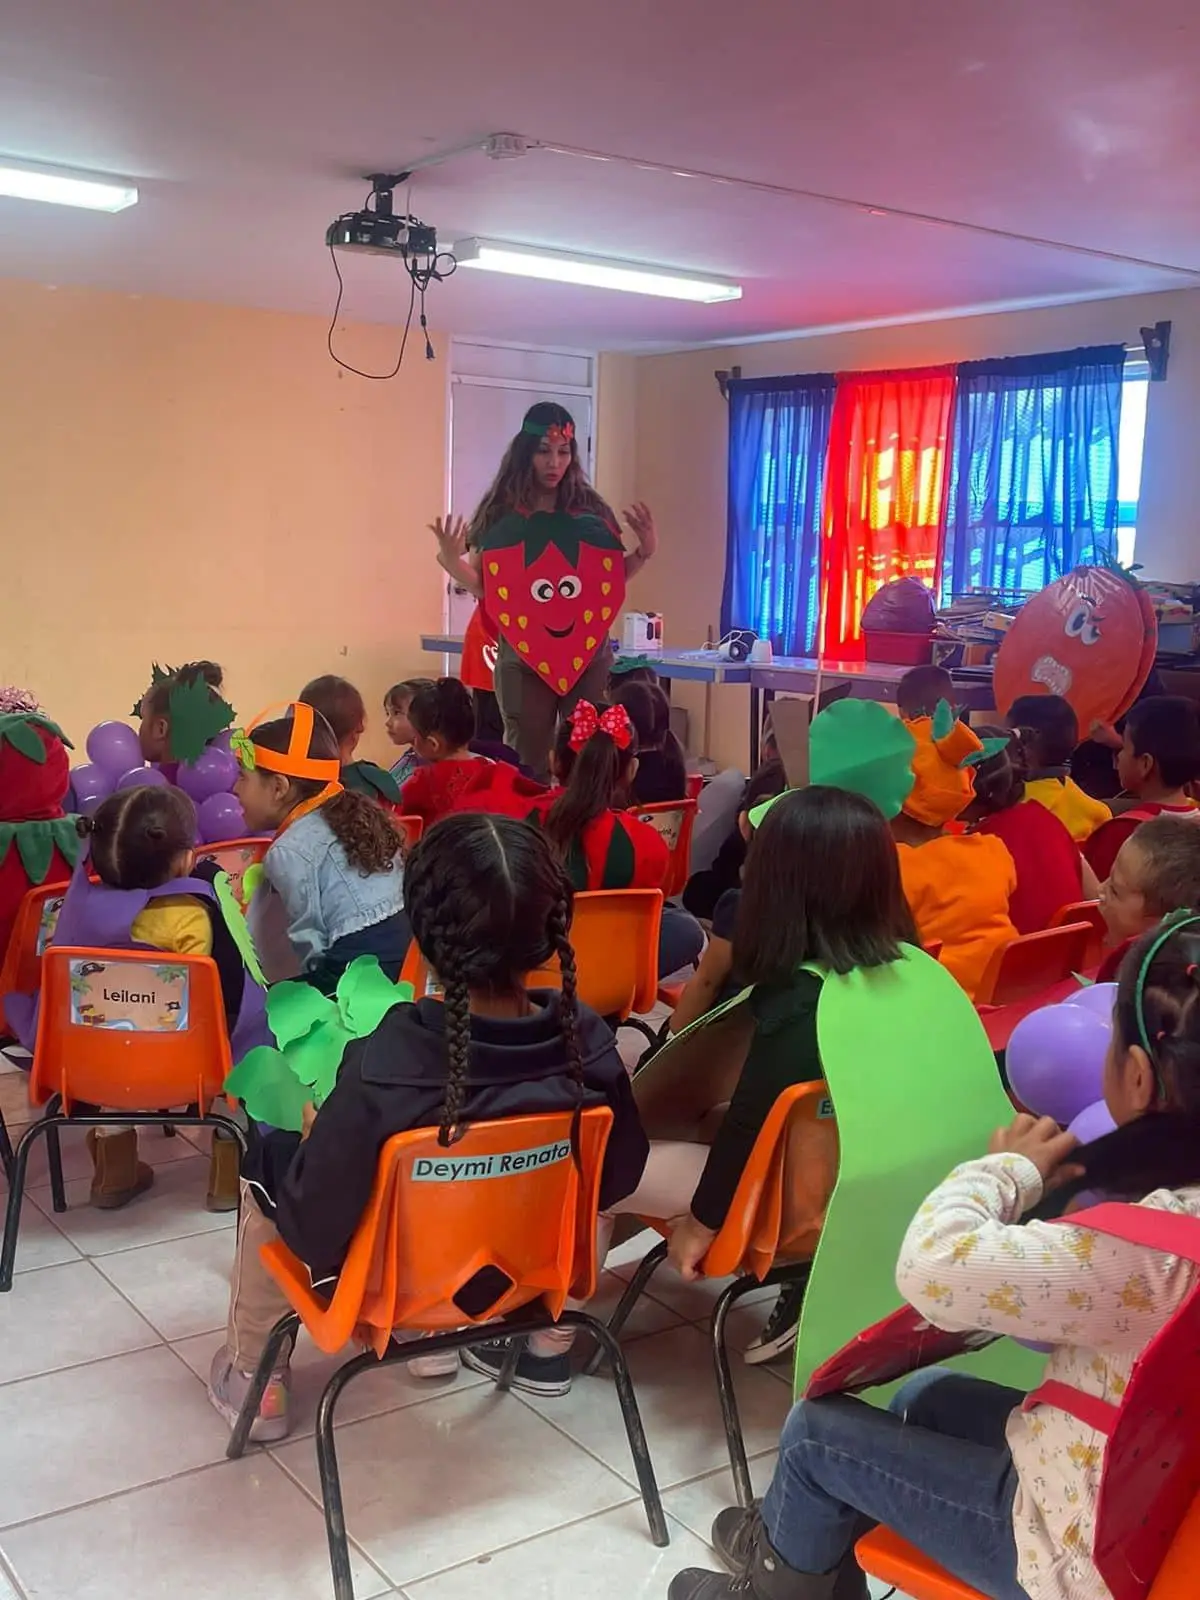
[
  {"x": 479, "y": 652},
  {"x": 1090, "y": 637},
  {"x": 553, "y": 584}
]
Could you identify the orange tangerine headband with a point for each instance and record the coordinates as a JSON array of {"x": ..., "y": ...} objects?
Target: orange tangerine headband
[{"x": 295, "y": 761}]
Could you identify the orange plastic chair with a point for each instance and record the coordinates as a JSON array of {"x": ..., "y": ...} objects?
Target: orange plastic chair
[
  {"x": 695, "y": 785},
  {"x": 934, "y": 949},
  {"x": 614, "y": 933},
  {"x": 411, "y": 828},
  {"x": 233, "y": 856},
  {"x": 36, "y": 916},
  {"x": 1085, "y": 911},
  {"x": 1034, "y": 962},
  {"x": 460, "y": 1245},
  {"x": 136, "y": 1062},
  {"x": 674, "y": 820},
  {"x": 769, "y": 1235},
  {"x": 882, "y": 1554}
]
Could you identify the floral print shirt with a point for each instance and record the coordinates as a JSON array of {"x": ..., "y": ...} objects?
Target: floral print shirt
[{"x": 968, "y": 1262}]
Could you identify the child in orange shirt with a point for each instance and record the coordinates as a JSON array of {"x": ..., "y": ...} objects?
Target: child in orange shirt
[{"x": 957, "y": 885}]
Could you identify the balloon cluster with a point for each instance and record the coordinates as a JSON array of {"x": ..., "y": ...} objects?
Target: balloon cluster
[
  {"x": 1055, "y": 1061},
  {"x": 115, "y": 762}
]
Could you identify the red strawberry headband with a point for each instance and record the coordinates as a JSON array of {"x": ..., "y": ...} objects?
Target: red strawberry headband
[
  {"x": 553, "y": 431},
  {"x": 586, "y": 722}
]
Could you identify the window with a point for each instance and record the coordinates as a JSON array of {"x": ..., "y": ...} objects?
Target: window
[{"x": 1135, "y": 392}]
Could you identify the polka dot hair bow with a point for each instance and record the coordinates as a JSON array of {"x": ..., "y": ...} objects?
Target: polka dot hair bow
[{"x": 586, "y": 721}]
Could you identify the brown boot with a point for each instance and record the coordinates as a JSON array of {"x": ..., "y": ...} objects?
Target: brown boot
[
  {"x": 224, "y": 1174},
  {"x": 118, "y": 1176}
]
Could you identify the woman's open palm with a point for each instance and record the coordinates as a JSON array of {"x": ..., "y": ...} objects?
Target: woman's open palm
[{"x": 451, "y": 535}]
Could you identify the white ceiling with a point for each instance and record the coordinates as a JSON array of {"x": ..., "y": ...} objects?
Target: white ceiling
[{"x": 247, "y": 123}]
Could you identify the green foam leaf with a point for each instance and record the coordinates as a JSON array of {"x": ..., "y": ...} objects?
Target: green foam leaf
[
  {"x": 858, "y": 745},
  {"x": 365, "y": 995},
  {"x": 251, "y": 878},
  {"x": 269, "y": 1088},
  {"x": 198, "y": 714},
  {"x": 235, "y": 921},
  {"x": 943, "y": 719},
  {"x": 294, "y": 1009}
]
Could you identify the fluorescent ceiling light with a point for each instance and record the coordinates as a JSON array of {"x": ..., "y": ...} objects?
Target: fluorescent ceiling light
[
  {"x": 59, "y": 186},
  {"x": 596, "y": 272}
]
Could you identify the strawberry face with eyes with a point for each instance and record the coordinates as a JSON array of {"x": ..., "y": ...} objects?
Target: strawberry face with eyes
[{"x": 553, "y": 583}]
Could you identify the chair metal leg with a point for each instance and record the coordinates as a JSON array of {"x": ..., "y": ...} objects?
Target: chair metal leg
[
  {"x": 58, "y": 1192},
  {"x": 734, "y": 1442},
  {"x": 16, "y": 1194},
  {"x": 286, "y": 1328},
  {"x": 647, "y": 1267},
  {"x": 632, "y": 1419},
  {"x": 6, "y": 1151},
  {"x": 511, "y": 1356},
  {"x": 331, "y": 1483}
]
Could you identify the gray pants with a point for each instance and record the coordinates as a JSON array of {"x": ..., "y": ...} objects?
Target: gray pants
[{"x": 531, "y": 709}]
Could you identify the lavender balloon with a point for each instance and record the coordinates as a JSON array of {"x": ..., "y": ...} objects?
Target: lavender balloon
[
  {"x": 213, "y": 772},
  {"x": 1093, "y": 1122},
  {"x": 220, "y": 818},
  {"x": 1055, "y": 1060},
  {"x": 1098, "y": 998},
  {"x": 91, "y": 785},
  {"x": 142, "y": 778},
  {"x": 114, "y": 747}
]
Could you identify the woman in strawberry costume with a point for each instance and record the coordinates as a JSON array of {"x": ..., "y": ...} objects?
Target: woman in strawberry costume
[
  {"x": 38, "y": 842},
  {"x": 543, "y": 554}
]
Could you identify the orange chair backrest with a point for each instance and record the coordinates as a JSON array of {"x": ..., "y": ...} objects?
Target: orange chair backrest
[
  {"x": 674, "y": 820},
  {"x": 35, "y": 920},
  {"x": 1176, "y": 1578},
  {"x": 1033, "y": 963},
  {"x": 779, "y": 1205},
  {"x": 233, "y": 856},
  {"x": 129, "y": 1030},
  {"x": 410, "y": 828},
  {"x": 1085, "y": 911},
  {"x": 465, "y": 1234},
  {"x": 695, "y": 785}
]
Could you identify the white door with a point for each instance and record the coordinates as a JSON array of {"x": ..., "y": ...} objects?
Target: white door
[{"x": 483, "y": 419}]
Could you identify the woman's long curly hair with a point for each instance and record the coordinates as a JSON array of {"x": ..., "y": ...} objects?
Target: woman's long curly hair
[
  {"x": 371, "y": 843},
  {"x": 488, "y": 904},
  {"x": 515, "y": 486}
]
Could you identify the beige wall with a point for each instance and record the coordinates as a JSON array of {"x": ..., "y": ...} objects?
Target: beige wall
[
  {"x": 191, "y": 480},
  {"x": 679, "y": 446}
]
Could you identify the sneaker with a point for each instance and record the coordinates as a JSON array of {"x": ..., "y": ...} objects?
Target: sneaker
[
  {"x": 444, "y": 1365},
  {"x": 778, "y": 1338},
  {"x": 735, "y": 1535},
  {"x": 228, "y": 1388},
  {"x": 544, "y": 1375}
]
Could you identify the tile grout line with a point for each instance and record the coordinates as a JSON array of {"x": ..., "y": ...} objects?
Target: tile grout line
[
  {"x": 319, "y": 1504},
  {"x": 7, "y": 1570}
]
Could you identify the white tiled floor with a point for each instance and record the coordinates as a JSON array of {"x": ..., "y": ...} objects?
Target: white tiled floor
[{"x": 114, "y": 1484}]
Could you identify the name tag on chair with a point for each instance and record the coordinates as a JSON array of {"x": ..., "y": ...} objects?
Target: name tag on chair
[{"x": 130, "y": 996}]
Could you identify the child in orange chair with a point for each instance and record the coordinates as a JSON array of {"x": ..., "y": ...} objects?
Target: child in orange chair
[
  {"x": 958, "y": 885},
  {"x": 1158, "y": 758},
  {"x": 489, "y": 903},
  {"x": 454, "y": 778},
  {"x": 1157, "y": 872},
  {"x": 344, "y": 709}
]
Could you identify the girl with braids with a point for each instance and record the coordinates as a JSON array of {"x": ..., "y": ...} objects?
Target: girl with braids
[
  {"x": 333, "y": 887},
  {"x": 1004, "y": 1494},
  {"x": 489, "y": 903},
  {"x": 595, "y": 761},
  {"x": 541, "y": 474}
]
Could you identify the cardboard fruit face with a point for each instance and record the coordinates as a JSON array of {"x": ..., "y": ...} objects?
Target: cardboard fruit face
[
  {"x": 1089, "y": 637},
  {"x": 553, "y": 583}
]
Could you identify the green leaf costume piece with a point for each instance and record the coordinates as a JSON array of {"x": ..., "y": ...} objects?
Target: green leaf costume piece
[
  {"x": 235, "y": 921},
  {"x": 312, "y": 1032},
  {"x": 858, "y": 745},
  {"x": 17, "y": 729},
  {"x": 198, "y": 714},
  {"x": 37, "y": 842}
]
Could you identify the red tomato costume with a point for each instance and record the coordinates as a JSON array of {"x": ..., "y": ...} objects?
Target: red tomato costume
[{"x": 38, "y": 842}]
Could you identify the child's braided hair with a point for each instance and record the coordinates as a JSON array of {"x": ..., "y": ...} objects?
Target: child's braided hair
[{"x": 488, "y": 903}]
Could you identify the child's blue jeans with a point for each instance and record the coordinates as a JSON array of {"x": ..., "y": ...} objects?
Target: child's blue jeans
[{"x": 935, "y": 1468}]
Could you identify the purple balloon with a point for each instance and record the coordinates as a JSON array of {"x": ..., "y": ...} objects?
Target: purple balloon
[
  {"x": 142, "y": 778},
  {"x": 114, "y": 747},
  {"x": 1055, "y": 1060},
  {"x": 1098, "y": 998},
  {"x": 214, "y": 772},
  {"x": 223, "y": 741},
  {"x": 91, "y": 785},
  {"x": 221, "y": 818},
  {"x": 1093, "y": 1122}
]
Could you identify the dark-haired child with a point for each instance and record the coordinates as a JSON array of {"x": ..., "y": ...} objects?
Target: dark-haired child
[
  {"x": 708, "y": 884},
  {"x": 1024, "y": 1481},
  {"x": 661, "y": 770},
  {"x": 1158, "y": 758},
  {"x": 162, "y": 740},
  {"x": 594, "y": 760},
  {"x": 1157, "y": 872},
  {"x": 399, "y": 729},
  {"x": 489, "y": 903},
  {"x": 1051, "y": 873},
  {"x": 151, "y": 895},
  {"x": 921, "y": 690},
  {"x": 1048, "y": 729},
  {"x": 333, "y": 888},
  {"x": 452, "y": 777},
  {"x": 344, "y": 709}
]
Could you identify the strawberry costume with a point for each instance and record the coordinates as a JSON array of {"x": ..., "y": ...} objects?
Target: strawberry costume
[{"x": 38, "y": 842}]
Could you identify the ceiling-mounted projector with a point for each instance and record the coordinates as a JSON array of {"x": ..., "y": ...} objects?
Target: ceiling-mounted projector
[{"x": 377, "y": 230}]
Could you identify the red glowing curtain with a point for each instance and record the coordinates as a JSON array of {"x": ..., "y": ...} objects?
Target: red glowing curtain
[{"x": 885, "y": 487}]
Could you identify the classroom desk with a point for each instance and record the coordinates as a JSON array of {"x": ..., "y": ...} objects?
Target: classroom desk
[{"x": 870, "y": 680}]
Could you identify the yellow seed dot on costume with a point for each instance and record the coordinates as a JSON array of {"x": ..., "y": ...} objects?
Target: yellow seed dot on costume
[
  {"x": 577, "y": 663},
  {"x": 503, "y": 593},
  {"x": 493, "y": 568},
  {"x": 608, "y": 563},
  {"x": 562, "y": 684},
  {"x": 605, "y": 587},
  {"x": 522, "y": 622},
  {"x": 543, "y": 667},
  {"x": 523, "y": 648},
  {"x": 606, "y": 613},
  {"x": 587, "y": 616},
  {"x": 590, "y": 643},
  {"x": 504, "y": 619}
]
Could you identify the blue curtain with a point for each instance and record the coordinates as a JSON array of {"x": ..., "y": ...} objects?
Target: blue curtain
[
  {"x": 1033, "y": 487},
  {"x": 778, "y": 438}
]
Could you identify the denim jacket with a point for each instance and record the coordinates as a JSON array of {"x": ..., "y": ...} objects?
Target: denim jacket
[{"x": 326, "y": 898}]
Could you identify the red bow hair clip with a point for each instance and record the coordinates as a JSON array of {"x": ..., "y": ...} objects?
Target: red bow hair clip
[{"x": 587, "y": 721}]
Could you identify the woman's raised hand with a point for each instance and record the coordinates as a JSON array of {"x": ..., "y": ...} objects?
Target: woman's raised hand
[
  {"x": 451, "y": 535},
  {"x": 640, "y": 521}
]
